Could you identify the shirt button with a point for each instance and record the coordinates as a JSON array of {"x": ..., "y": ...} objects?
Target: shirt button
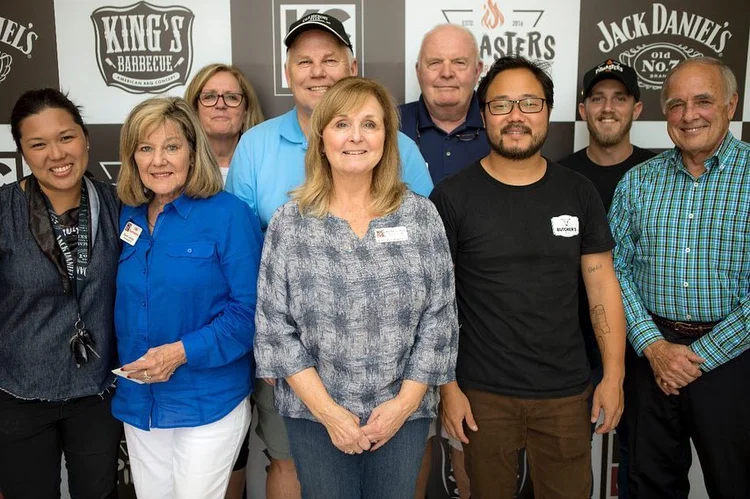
[
  {"x": 691, "y": 216},
  {"x": 688, "y": 317},
  {"x": 448, "y": 153},
  {"x": 695, "y": 184},
  {"x": 143, "y": 303},
  {"x": 685, "y": 284},
  {"x": 190, "y": 250},
  {"x": 687, "y": 250}
]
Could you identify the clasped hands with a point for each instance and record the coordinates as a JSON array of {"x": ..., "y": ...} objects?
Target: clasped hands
[
  {"x": 351, "y": 438},
  {"x": 674, "y": 365}
]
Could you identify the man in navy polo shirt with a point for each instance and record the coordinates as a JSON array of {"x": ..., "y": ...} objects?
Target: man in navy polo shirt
[{"x": 445, "y": 121}]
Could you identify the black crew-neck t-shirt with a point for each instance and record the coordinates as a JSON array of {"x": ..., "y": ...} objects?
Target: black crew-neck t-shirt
[
  {"x": 605, "y": 179},
  {"x": 517, "y": 253}
]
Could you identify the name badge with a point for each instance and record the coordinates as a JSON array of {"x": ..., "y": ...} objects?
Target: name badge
[
  {"x": 391, "y": 235},
  {"x": 131, "y": 233},
  {"x": 565, "y": 226}
]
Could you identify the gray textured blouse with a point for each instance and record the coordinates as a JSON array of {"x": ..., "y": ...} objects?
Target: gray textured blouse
[{"x": 366, "y": 313}]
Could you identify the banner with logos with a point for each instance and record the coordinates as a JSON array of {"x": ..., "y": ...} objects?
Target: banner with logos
[{"x": 110, "y": 54}]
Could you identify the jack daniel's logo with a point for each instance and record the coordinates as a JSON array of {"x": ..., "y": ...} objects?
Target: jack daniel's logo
[
  {"x": 652, "y": 61},
  {"x": 663, "y": 22},
  {"x": 144, "y": 48},
  {"x": 17, "y": 36}
]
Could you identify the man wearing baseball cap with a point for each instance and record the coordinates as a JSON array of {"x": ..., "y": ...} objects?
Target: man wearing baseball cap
[
  {"x": 269, "y": 162},
  {"x": 610, "y": 101}
]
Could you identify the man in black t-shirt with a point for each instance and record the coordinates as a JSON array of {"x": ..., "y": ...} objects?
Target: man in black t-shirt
[
  {"x": 610, "y": 102},
  {"x": 520, "y": 230}
]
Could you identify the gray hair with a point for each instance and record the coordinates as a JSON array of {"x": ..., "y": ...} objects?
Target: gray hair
[
  {"x": 727, "y": 75},
  {"x": 457, "y": 27}
]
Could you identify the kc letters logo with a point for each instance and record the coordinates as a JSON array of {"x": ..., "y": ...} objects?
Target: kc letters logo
[
  {"x": 19, "y": 39},
  {"x": 144, "y": 48}
]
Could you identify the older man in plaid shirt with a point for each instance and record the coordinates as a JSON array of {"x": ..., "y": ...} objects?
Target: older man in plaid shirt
[{"x": 682, "y": 225}]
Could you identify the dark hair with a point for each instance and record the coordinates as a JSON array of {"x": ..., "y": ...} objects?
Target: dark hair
[
  {"x": 538, "y": 69},
  {"x": 34, "y": 102}
]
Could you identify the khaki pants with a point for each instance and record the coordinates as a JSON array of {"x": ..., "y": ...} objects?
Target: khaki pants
[{"x": 555, "y": 432}]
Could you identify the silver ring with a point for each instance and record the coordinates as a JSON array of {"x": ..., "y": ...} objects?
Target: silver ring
[
  {"x": 146, "y": 375},
  {"x": 350, "y": 452}
]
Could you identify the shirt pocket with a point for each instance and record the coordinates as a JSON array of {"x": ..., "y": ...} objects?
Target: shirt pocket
[{"x": 192, "y": 265}]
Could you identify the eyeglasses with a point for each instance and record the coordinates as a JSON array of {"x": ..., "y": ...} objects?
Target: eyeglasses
[
  {"x": 529, "y": 105},
  {"x": 231, "y": 99}
]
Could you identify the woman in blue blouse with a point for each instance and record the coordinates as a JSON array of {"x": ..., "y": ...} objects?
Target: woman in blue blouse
[{"x": 185, "y": 306}]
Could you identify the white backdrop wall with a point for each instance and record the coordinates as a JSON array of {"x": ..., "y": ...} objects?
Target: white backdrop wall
[{"x": 110, "y": 54}]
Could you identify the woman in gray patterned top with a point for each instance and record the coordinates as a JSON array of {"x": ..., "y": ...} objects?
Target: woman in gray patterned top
[{"x": 356, "y": 314}]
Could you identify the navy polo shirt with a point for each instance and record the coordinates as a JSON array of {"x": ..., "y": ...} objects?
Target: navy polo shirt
[{"x": 445, "y": 153}]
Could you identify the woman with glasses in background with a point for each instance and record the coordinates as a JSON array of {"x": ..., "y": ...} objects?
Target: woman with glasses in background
[{"x": 226, "y": 105}]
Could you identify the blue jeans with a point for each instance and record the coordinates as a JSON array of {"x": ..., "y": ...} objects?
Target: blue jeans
[{"x": 327, "y": 473}]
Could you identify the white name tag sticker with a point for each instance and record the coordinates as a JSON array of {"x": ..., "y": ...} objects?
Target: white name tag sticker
[
  {"x": 391, "y": 235},
  {"x": 131, "y": 233},
  {"x": 565, "y": 226}
]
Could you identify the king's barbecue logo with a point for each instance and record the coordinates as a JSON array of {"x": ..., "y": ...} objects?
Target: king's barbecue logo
[{"x": 144, "y": 48}]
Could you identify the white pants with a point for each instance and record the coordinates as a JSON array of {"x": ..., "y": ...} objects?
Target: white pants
[{"x": 187, "y": 463}]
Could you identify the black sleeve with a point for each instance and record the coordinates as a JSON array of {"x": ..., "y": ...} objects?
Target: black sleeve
[
  {"x": 445, "y": 208},
  {"x": 596, "y": 236}
]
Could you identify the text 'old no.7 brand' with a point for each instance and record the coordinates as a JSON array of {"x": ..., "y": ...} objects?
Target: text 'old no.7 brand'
[{"x": 144, "y": 48}]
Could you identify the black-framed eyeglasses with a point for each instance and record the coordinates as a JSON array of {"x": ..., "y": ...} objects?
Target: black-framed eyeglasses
[
  {"x": 231, "y": 99},
  {"x": 529, "y": 105}
]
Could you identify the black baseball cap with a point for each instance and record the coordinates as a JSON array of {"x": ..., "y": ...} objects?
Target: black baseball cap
[
  {"x": 615, "y": 70},
  {"x": 317, "y": 21}
]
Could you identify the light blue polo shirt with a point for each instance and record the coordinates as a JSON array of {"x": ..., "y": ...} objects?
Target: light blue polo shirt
[{"x": 270, "y": 161}]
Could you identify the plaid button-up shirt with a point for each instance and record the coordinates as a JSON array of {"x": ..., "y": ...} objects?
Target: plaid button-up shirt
[{"x": 683, "y": 248}]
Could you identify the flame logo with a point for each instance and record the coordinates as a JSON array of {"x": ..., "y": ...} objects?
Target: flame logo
[{"x": 492, "y": 17}]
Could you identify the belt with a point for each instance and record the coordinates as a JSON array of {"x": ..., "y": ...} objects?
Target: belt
[{"x": 689, "y": 329}]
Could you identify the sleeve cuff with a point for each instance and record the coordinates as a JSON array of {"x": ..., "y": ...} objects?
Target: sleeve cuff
[
  {"x": 706, "y": 348},
  {"x": 196, "y": 350},
  {"x": 643, "y": 334}
]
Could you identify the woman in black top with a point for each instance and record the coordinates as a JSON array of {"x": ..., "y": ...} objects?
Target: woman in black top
[{"x": 59, "y": 250}]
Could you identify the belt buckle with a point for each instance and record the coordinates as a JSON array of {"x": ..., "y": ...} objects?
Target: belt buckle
[{"x": 685, "y": 325}]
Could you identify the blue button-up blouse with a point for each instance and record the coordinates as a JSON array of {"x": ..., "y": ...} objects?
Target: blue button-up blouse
[{"x": 192, "y": 280}]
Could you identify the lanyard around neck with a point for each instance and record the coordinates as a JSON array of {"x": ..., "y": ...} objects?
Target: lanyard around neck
[{"x": 76, "y": 267}]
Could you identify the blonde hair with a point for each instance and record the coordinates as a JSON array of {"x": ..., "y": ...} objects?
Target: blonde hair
[
  {"x": 203, "y": 178},
  {"x": 387, "y": 190},
  {"x": 253, "y": 112}
]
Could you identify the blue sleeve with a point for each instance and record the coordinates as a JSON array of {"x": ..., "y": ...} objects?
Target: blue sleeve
[
  {"x": 241, "y": 178},
  {"x": 415, "y": 172},
  {"x": 230, "y": 335}
]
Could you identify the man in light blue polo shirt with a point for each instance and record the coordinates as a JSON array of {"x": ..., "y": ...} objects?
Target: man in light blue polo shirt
[{"x": 270, "y": 161}]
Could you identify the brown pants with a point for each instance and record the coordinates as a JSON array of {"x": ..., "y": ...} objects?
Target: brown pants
[{"x": 555, "y": 432}]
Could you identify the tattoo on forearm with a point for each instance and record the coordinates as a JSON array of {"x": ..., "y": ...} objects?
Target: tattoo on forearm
[
  {"x": 594, "y": 268},
  {"x": 599, "y": 320}
]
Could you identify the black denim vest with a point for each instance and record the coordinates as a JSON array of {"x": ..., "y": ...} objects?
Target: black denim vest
[{"x": 37, "y": 316}]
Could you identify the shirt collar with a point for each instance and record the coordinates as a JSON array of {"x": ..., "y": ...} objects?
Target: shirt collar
[
  {"x": 183, "y": 205},
  {"x": 290, "y": 129},
  {"x": 721, "y": 157},
  {"x": 473, "y": 117}
]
